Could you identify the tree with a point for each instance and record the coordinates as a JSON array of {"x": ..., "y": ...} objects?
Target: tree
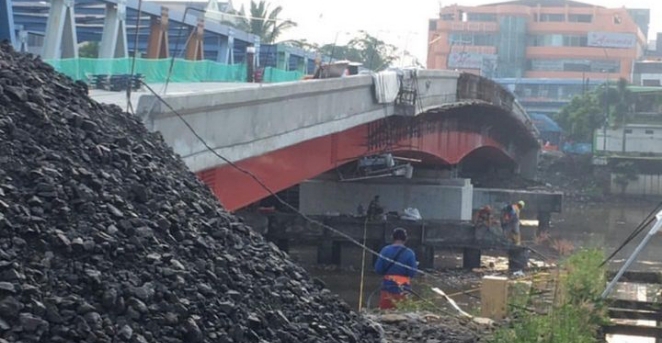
[
  {"x": 619, "y": 99},
  {"x": 581, "y": 117},
  {"x": 374, "y": 53},
  {"x": 587, "y": 112},
  {"x": 89, "y": 50},
  {"x": 302, "y": 44},
  {"x": 263, "y": 22},
  {"x": 625, "y": 172}
]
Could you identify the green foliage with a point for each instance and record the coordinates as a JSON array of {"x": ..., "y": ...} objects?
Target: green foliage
[
  {"x": 626, "y": 172},
  {"x": 89, "y": 50},
  {"x": 586, "y": 112},
  {"x": 581, "y": 117},
  {"x": 263, "y": 22},
  {"x": 374, "y": 53},
  {"x": 576, "y": 312}
]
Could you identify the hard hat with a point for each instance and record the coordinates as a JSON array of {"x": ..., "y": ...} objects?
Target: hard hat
[{"x": 521, "y": 203}]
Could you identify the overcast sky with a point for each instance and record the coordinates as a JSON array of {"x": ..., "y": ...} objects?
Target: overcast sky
[{"x": 402, "y": 23}]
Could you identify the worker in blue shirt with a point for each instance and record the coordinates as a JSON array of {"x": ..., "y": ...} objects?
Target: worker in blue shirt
[{"x": 397, "y": 278}]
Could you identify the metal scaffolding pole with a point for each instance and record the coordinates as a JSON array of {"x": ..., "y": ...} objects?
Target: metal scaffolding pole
[{"x": 635, "y": 254}]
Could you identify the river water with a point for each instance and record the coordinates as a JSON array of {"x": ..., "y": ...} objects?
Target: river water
[{"x": 594, "y": 225}]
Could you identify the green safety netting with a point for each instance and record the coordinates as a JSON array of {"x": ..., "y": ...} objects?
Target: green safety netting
[
  {"x": 272, "y": 75},
  {"x": 153, "y": 70},
  {"x": 156, "y": 70}
]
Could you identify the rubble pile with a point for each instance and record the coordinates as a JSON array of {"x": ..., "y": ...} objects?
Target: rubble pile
[
  {"x": 432, "y": 328},
  {"x": 105, "y": 236}
]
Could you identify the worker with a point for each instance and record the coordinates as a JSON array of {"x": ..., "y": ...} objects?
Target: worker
[
  {"x": 397, "y": 276},
  {"x": 374, "y": 208},
  {"x": 484, "y": 216},
  {"x": 510, "y": 221}
]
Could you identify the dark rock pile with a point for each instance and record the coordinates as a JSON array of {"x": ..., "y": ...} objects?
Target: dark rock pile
[
  {"x": 105, "y": 236},
  {"x": 431, "y": 328}
]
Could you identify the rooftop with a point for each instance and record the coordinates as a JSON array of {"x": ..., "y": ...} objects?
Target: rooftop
[{"x": 544, "y": 3}]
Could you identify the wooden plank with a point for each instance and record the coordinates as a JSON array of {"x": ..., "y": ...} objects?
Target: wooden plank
[
  {"x": 494, "y": 297},
  {"x": 638, "y": 277},
  {"x": 633, "y": 330},
  {"x": 634, "y": 305},
  {"x": 639, "y": 315}
]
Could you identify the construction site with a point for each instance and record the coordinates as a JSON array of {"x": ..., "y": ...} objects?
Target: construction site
[{"x": 217, "y": 189}]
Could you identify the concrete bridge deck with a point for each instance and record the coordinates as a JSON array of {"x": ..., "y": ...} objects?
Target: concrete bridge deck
[{"x": 289, "y": 132}]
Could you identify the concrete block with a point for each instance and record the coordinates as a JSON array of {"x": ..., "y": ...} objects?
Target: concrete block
[
  {"x": 494, "y": 297},
  {"x": 434, "y": 202}
]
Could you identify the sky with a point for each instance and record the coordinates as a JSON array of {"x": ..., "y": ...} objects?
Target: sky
[{"x": 401, "y": 23}]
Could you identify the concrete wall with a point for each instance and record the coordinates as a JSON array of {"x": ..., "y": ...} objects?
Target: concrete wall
[
  {"x": 449, "y": 201},
  {"x": 644, "y": 185},
  {"x": 639, "y": 139},
  {"x": 244, "y": 123}
]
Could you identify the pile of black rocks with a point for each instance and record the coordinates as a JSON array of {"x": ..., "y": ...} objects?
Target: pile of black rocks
[{"x": 105, "y": 236}]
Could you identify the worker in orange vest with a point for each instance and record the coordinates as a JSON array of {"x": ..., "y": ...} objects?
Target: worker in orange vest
[
  {"x": 510, "y": 222},
  {"x": 397, "y": 276}
]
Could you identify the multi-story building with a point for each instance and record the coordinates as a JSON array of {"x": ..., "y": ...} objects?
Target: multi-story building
[{"x": 538, "y": 39}]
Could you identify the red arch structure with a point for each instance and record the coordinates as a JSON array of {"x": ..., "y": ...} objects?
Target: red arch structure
[{"x": 444, "y": 137}]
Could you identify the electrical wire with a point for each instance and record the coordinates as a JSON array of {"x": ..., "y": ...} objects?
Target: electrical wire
[
  {"x": 281, "y": 200},
  {"x": 636, "y": 232}
]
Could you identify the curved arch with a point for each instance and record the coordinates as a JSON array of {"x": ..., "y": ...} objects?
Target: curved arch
[{"x": 485, "y": 160}]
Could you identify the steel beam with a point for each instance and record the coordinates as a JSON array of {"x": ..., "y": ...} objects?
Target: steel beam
[
  {"x": 113, "y": 38},
  {"x": 229, "y": 57},
  {"x": 60, "y": 40},
  {"x": 158, "y": 38},
  {"x": 7, "y": 29},
  {"x": 195, "y": 47}
]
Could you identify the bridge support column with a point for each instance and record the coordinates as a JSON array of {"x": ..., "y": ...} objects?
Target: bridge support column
[
  {"x": 229, "y": 54},
  {"x": 7, "y": 29},
  {"x": 22, "y": 39},
  {"x": 471, "y": 258},
  {"x": 60, "y": 40},
  {"x": 195, "y": 50},
  {"x": 518, "y": 259},
  {"x": 528, "y": 164},
  {"x": 113, "y": 38},
  {"x": 158, "y": 46}
]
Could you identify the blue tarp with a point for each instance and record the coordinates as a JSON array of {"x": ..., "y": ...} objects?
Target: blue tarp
[{"x": 544, "y": 123}]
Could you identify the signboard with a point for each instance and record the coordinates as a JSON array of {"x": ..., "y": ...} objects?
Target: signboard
[
  {"x": 612, "y": 40},
  {"x": 469, "y": 60}
]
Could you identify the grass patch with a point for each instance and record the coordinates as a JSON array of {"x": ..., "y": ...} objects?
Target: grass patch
[{"x": 575, "y": 311}]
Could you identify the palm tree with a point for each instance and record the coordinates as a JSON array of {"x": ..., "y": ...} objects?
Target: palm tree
[{"x": 263, "y": 22}]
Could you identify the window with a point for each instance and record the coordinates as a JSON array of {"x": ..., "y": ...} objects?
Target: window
[
  {"x": 580, "y": 18},
  {"x": 433, "y": 25},
  {"x": 627, "y": 131},
  {"x": 558, "y": 40},
  {"x": 480, "y": 39},
  {"x": 651, "y": 83},
  {"x": 574, "y": 65},
  {"x": 481, "y": 17},
  {"x": 448, "y": 17},
  {"x": 650, "y": 132},
  {"x": 544, "y": 17}
]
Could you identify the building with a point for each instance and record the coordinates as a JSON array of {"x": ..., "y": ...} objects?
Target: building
[
  {"x": 538, "y": 39},
  {"x": 547, "y": 96}
]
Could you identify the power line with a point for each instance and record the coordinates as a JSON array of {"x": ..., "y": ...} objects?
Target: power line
[{"x": 281, "y": 200}]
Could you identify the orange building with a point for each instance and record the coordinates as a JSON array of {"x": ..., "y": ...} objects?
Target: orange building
[{"x": 555, "y": 39}]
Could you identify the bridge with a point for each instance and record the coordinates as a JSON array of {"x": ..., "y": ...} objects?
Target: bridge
[{"x": 291, "y": 132}]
